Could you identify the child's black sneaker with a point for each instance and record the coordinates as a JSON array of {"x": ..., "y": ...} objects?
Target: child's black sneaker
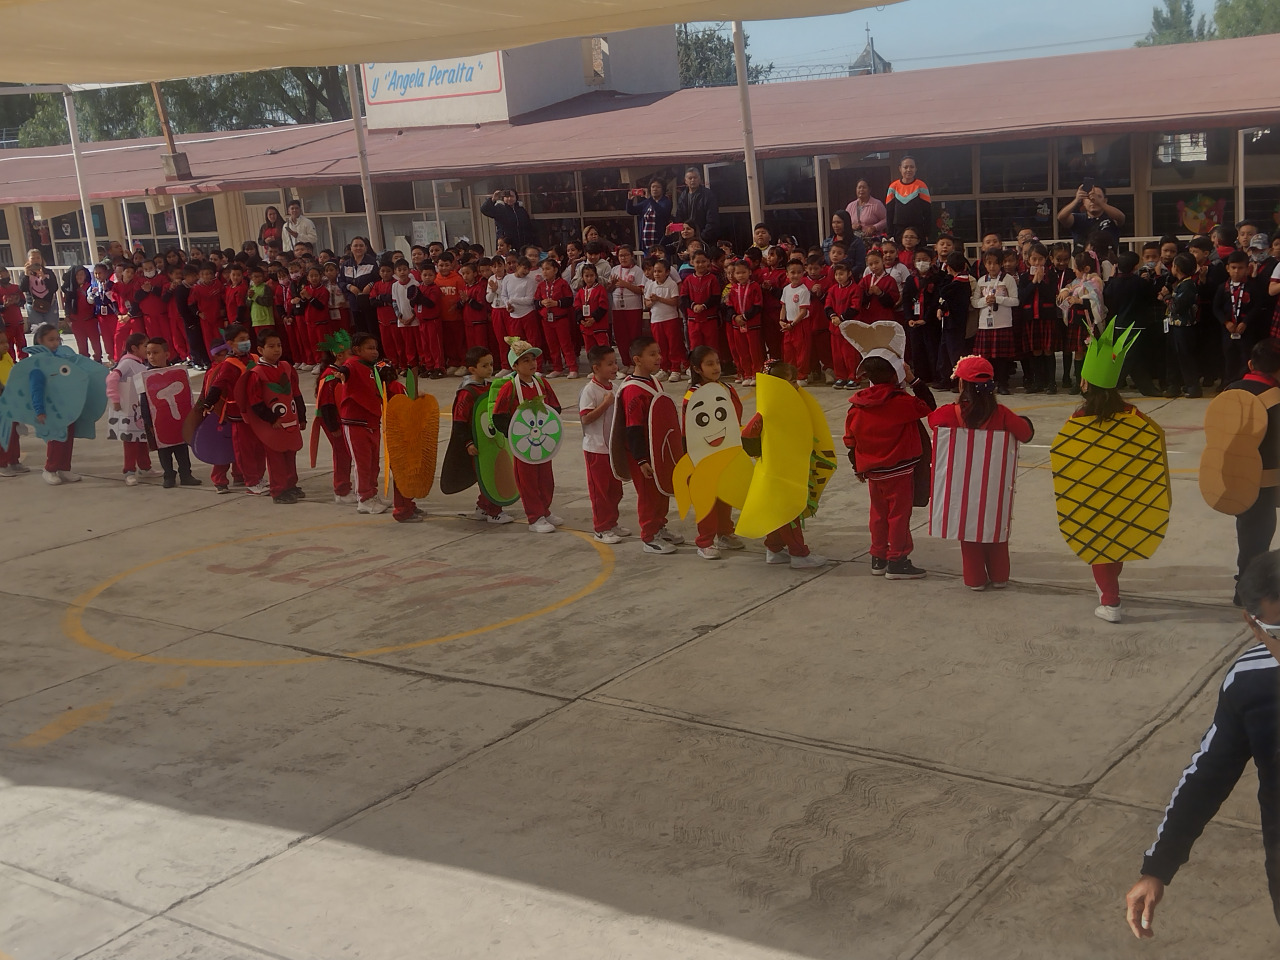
[
  {"x": 904, "y": 569},
  {"x": 190, "y": 481},
  {"x": 287, "y": 497},
  {"x": 170, "y": 481},
  {"x": 878, "y": 566}
]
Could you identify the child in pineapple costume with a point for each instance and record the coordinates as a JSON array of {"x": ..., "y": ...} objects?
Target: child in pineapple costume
[{"x": 1110, "y": 474}]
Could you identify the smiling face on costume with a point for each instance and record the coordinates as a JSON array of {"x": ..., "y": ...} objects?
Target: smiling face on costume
[{"x": 710, "y": 422}]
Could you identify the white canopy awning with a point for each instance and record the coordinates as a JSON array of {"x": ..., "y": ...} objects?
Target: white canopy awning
[{"x": 230, "y": 36}]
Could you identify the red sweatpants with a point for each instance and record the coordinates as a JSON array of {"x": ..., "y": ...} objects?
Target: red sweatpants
[
  {"x": 247, "y": 448},
  {"x": 455, "y": 342},
  {"x": 670, "y": 341},
  {"x": 652, "y": 504},
  {"x": 57, "y": 453},
  {"x": 365, "y": 444},
  {"x": 789, "y": 538},
  {"x": 282, "y": 470},
  {"x": 984, "y": 562},
  {"x": 152, "y": 326},
  {"x": 430, "y": 346},
  {"x": 627, "y": 325},
  {"x": 702, "y": 333},
  {"x": 177, "y": 337},
  {"x": 389, "y": 337},
  {"x": 88, "y": 339},
  {"x": 11, "y": 456},
  {"x": 537, "y": 485},
  {"x": 16, "y": 334},
  {"x": 597, "y": 336},
  {"x": 795, "y": 348},
  {"x": 1107, "y": 577},
  {"x": 820, "y": 351},
  {"x": 559, "y": 338},
  {"x": 136, "y": 456},
  {"x": 844, "y": 356},
  {"x": 604, "y": 489},
  {"x": 529, "y": 329},
  {"x": 891, "y": 516},
  {"x": 341, "y": 462},
  {"x": 750, "y": 351},
  {"x": 501, "y": 320},
  {"x": 717, "y": 523},
  {"x": 124, "y": 329},
  {"x": 481, "y": 335},
  {"x": 209, "y": 330},
  {"x": 487, "y": 505}
]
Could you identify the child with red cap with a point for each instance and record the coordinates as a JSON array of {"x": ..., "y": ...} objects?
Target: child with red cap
[{"x": 975, "y": 460}]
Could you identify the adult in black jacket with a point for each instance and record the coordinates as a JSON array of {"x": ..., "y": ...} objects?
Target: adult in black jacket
[
  {"x": 511, "y": 219},
  {"x": 357, "y": 272},
  {"x": 1246, "y": 725},
  {"x": 699, "y": 207},
  {"x": 652, "y": 211}
]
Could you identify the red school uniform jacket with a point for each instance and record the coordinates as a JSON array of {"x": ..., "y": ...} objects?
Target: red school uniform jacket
[
  {"x": 703, "y": 290},
  {"x": 236, "y": 303},
  {"x": 843, "y": 302},
  {"x": 82, "y": 310},
  {"x": 506, "y": 401},
  {"x": 209, "y": 302},
  {"x": 746, "y": 300},
  {"x": 225, "y": 377},
  {"x": 475, "y": 308},
  {"x": 560, "y": 291},
  {"x": 879, "y": 298},
  {"x": 262, "y": 396},
  {"x": 315, "y": 303},
  {"x": 883, "y": 428},
  {"x": 12, "y": 311},
  {"x": 124, "y": 296},
  {"x": 772, "y": 280},
  {"x": 360, "y": 403},
  {"x": 426, "y": 302},
  {"x": 591, "y": 305},
  {"x": 152, "y": 302},
  {"x": 382, "y": 296}
]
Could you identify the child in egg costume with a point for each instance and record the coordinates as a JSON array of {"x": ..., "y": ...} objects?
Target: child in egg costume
[{"x": 513, "y": 406}]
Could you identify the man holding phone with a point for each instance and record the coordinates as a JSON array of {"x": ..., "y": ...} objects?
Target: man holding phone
[
  {"x": 1096, "y": 214},
  {"x": 652, "y": 210}
]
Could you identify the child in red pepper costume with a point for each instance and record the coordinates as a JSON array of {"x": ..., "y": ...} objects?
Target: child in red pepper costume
[
  {"x": 555, "y": 303},
  {"x": 535, "y": 481},
  {"x": 746, "y": 304},
  {"x": 474, "y": 386},
  {"x": 360, "y": 407},
  {"x": 635, "y": 396},
  {"x": 715, "y": 530},
  {"x": 882, "y": 432},
  {"x": 220, "y": 387},
  {"x": 274, "y": 398},
  {"x": 591, "y": 306},
  {"x": 335, "y": 351}
]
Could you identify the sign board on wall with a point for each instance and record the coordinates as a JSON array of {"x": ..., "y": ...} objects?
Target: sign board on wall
[
  {"x": 425, "y": 232},
  {"x": 391, "y": 83}
]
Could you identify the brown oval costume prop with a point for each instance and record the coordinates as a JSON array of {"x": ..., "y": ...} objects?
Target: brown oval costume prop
[{"x": 1231, "y": 473}]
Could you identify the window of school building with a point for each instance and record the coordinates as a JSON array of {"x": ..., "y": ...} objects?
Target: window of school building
[
  {"x": 6, "y": 248},
  {"x": 157, "y": 230},
  {"x": 406, "y": 212}
]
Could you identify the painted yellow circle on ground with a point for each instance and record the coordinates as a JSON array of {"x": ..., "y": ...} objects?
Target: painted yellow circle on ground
[{"x": 73, "y": 620}]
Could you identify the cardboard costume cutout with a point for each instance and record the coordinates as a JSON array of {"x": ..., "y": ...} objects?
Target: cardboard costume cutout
[
  {"x": 168, "y": 394},
  {"x": 413, "y": 435},
  {"x": 714, "y": 467},
  {"x": 665, "y": 446},
  {"x": 973, "y": 483},
  {"x": 127, "y": 423},
  {"x": 536, "y": 430},
  {"x": 282, "y": 435},
  {"x": 797, "y": 458},
  {"x": 494, "y": 465},
  {"x": 1235, "y": 429},
  {"x": 75, "y": 392}
]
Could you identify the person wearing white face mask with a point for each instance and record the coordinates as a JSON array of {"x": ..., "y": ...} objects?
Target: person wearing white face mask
[
  {"x": 920, "y": 312},
  {"x": 151, "y": 301}
]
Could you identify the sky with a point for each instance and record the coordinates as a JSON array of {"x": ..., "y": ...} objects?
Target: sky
[{"x": 917, "y": 34}]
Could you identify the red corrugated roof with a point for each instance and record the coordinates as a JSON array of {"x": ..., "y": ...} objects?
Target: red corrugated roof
[{"x": 1151, "y": 88}]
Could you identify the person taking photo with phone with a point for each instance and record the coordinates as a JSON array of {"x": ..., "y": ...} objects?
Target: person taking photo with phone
[{"x": 1089, "y": 211}]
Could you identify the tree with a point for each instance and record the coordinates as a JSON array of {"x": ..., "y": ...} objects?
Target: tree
[
  {"x": 1176, "y": 23},
  {"x": 1246, "y": 18},
  {"x": 232, "y": 101},
  {"x": 705, "y": 55}
]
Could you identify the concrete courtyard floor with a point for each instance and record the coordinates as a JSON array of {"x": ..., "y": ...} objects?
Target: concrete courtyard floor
[{"x": 231, "y": 730}]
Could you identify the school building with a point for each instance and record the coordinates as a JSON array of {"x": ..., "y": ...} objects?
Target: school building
[{"x": 1182, "y": 137}]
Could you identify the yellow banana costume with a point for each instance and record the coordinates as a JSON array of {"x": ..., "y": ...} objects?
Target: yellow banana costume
[{"x": 714, "y": 467}]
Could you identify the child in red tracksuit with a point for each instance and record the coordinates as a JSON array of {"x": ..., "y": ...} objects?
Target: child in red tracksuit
[
  {"x": 328, "y": 419},
  {"x": 476, "y": 316},
  {"x": 15, "y": 326},
  {"x": 786, "y": 544},
  {"x": 210, "y": 306},
  {"x": 794, "y": 320},
  {"x": 426, "y": 300},
  {"x": 250, "y": 458},
  {"x": 452, "y": 335},
  {"x": 700, "y": 303},
  {"x": 715, "y": 530},
  {"x": 151, "y": 302},
  {"x": 315, "y": 322},
  {"x": 235, "y": 297},
  {"x": 635, "y": 397},
  {"x": 123, "y": 295},
  {"x": 772, "y": 277},
  {"x": 596, "y": 409},
  {"x": 79, "y": 304},
  {"x": 274, "y": 397},
  {"x": 882, "y": 432},
  {"x": 360, "y": 407},
  {"x": 746, "y": 304},
  {"x": 474, "y": 386},
  {"x": 535, "y": 481},
  {"x": 591, "y": 305},
  {"x": 555, "y": 302},
  {"x": 385, "y": 307},
  {"x": 880, "y": 293}
]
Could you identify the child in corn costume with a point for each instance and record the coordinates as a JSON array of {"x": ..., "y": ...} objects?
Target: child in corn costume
[{"x": 1110, "y": 474}]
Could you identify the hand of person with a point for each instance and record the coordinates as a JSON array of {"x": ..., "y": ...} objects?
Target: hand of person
[
  {"x": 699, "y": 308},
  {"x": 116, "y": 407},
  {"x": 40, "y": 418},
  {"x": 908, "y": 375},
  {"x": 1140, "y": 906},
  {"x": 607, "y": 400},
  {"x": 472, "y": 450},
  {"x": 646, "y": 471},
  {"x": 991, "y": 299},
  {"x": 497, "y": 196},
  {"x": 1081, "y": 193}
]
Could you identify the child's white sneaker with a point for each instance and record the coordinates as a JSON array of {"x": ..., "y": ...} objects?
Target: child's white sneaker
[
  {"x": 620, "y": 532},
  {"x": 51, "y": 478},
  {"x": 780, "y": 557},
  {"x": 554, "y": 520},
  {"x": 571, "y": 375},
  {"x": 660, "y": 375},
  {"x": 542, "y": 525},
  {"x": 709, "y": 553},
  {"x": 669, "y": 535},
  {"x": 728, "y": 541},
  {"x": 66, "y": 476},
  {"x": 607, "y": 536},
  {"x": 9, "y": 472},
  {"x": 373, "y": 506},
  {"x": 656, "y": 546},
  {"x": 130, "y": 479},
  {"x": 257, "y": 489},
  {"x": 675, "y": 377},
  {"x": 501, "y": 517},
  {"x": 346, "y": 499},
  {"x": 808, "y": 562},
  {"x": 1109, "y": 614}
]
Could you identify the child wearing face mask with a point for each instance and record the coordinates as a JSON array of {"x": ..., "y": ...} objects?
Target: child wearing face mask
[{"x": 249, "y": 455}]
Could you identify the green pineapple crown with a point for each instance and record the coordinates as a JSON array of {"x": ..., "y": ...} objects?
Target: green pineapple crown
[{"x": 1104, "y": 357}]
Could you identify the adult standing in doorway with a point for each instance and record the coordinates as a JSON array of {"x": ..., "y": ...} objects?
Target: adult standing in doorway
[
  {"x": 40, "y": 288},
  {"x": 845, "y": 230},
  {"x": 699, "y": 207},
  {"x": 1089, "y": 211},
  {"x": 297, "y": 228},
  {"x": 511, "y": 220},
  {"x": 867, "y": 213},
  {"x": 272, "y": 229},
  {"x": 907, "y": 203},
  {"x": 652, "y": 210},
  {"x": 357, "y": 274}
]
